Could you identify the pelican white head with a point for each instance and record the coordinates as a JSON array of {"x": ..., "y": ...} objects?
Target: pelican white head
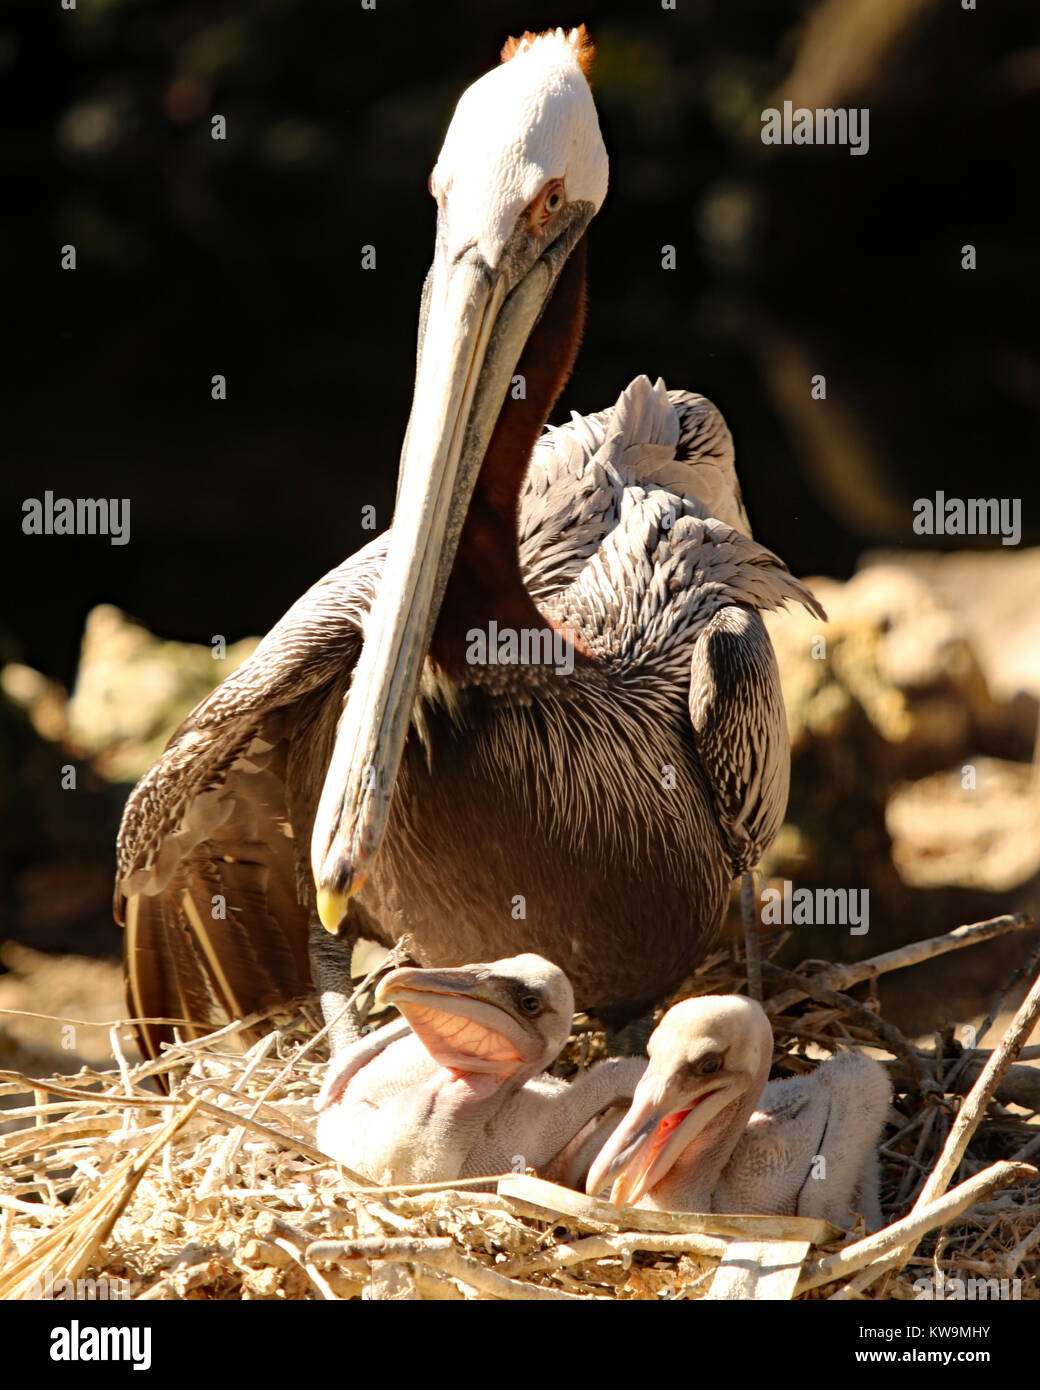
[{"x": 523, "y": 125}]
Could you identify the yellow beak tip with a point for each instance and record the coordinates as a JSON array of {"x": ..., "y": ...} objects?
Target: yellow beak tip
[{"x": 332, "y": 908}]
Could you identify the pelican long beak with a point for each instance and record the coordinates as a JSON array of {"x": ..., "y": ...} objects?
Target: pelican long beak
[
  {"x": 454, "y": 1020},
  {"x": 650, "y": 1138},
  {"x": 475, "y": 323}
]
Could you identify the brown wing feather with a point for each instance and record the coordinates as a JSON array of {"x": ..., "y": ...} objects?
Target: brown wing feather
[
  {"x": 212, "y": 880},
  {"x": 223, "y": 940},
  {"x": 740, "y": 729}
]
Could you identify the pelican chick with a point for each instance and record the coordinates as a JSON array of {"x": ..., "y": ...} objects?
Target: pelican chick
[
  {"x": 454, "y": 1089},
  {"x": 706, "y": 1133}
]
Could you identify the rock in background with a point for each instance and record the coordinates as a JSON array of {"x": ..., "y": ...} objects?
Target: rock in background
[
  {"x": 66, "y": 766},
  {"x": 913, "y": 726}
]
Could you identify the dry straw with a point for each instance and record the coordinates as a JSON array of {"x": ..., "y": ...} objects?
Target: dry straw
[{"x": 216, "y": 1191}]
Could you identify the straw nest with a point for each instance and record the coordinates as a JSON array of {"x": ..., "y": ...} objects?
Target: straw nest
[{"x": 216, "y": 1191}]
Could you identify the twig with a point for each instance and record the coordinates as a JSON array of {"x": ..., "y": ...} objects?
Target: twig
[
  {"x": 440, "y": 1253},
  {"x": 549, "y": 1200},
  {"x": 181, "y": 1054},
  {"x": 928, "y": 1120},
  {"x": 397, "y": 954},
  {"x": 220, "y": 1164},
  {"x": 365, "y": 1189},
  {"x": 968, "y": 1117},
  {"x": 287, "y": 1238},
  {"x": 423, "y": 1202},
  {"x": 979, "y": 1097},
  {"x": 611, "y": 1246},
  {"x": 890, "y": 1035},
  {"x": 1014, "y": 1258},
  {"x": 913, "y": 1226},
  {"x": 1019, "y": 1086},
  {"x": 843, "y": 976},
  {"x": 66, "y": 1088},
  {"x": 1024, "y": 972}
]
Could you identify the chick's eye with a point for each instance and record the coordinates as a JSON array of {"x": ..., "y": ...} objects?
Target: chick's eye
[
  {"x": 709, "y": 1064},
  {"x": 530, "y": 1003}
]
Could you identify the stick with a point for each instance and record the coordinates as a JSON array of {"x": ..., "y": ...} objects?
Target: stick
[
  {"x": 610, "y": 1247},
  {"x": 1028, "y": 1150},
  {"x": 1027, "y": 971},
  {"x": 220, "y": 1164},
  {"x": 912, "y": 1227},
  {"x": 440, "y": 1253},
  {"x": 396, "y": 955},
  {"x": 979, "y": 1097},
  {"x": 843, "y": 976},
  {"x": 1020, "y": 1085},
  {"x": 759, "y": 1270},
  {"x": 1014, "y": 1258},
  {"x": 968, "y": 1117},
  {"x": 853, "y": 1009},
  {"x": 563, "y": 1201}
]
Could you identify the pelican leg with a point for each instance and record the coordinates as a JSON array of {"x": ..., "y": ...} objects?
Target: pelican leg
[
  {"x": 631, "y": 1039},
  {"x": 330, "y": 958},
  {"x": 749, "y": 916}
]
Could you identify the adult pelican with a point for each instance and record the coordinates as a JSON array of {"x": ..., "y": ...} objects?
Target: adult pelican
[{"x": 543, "y": 713}]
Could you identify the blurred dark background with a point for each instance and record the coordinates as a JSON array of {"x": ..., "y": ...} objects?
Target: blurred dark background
[{"x": 242, "y": 257}]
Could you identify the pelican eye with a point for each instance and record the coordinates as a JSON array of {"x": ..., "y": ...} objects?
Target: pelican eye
[
  {"x": 530, "y": 1004},
  {"x": 710, "y": 1064},
  {"x": 549, "y": 202}
]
